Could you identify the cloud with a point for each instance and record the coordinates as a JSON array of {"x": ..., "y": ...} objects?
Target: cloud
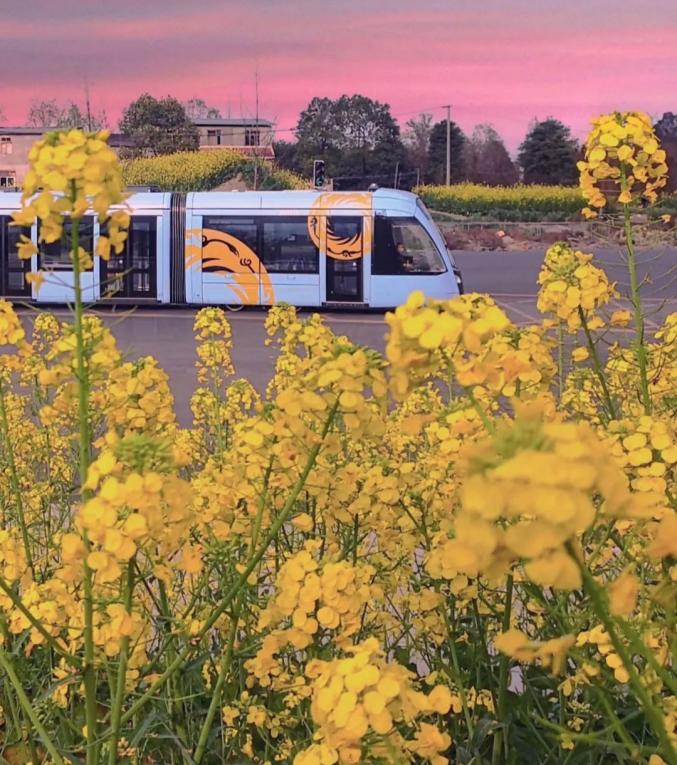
[{"x": 570, "y": 60}]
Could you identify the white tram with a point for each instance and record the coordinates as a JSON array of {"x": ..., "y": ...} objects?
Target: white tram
[{"x": 305, "y": 248}]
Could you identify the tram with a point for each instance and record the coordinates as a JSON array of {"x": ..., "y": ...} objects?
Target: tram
[{"x": 305, "y": 248}]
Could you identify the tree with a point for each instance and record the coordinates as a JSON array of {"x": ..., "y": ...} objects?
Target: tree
[
  {"x": 666, "y": 127},
  {"x": 69, "y": 115},
  {"x": 416, "y": 138},
  {"x": 197, "y": 109},
  {"x": 44, "y": 113},
  {"x": 2, "y": 115},
  {"x": 666, "y": 130},
  {"x": 548, "y": 154},
  {"x": 437, "y": 153},
  {"x": 487, "y": 160},
  {"x": 158, "y": 126},
  {"x": 286, "y": 155},
  {"x": 355, "y": 135}
]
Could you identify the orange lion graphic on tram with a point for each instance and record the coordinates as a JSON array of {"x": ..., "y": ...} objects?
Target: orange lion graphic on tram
[
  {"x": 222, "y": 253},
  {"x": 342, "y": 248}
]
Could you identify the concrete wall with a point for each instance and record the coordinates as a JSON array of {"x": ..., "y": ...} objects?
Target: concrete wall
[{"x": 14, "y": 155}]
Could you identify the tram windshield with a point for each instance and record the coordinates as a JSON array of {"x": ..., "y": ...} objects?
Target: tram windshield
[{"x": 403, "y": 246}]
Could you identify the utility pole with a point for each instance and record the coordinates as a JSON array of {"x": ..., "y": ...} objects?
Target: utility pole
[
  {"x": 448, "y": 108},
  {"x": 87, "y": 105},
  {"x": 256, "y": 150}
]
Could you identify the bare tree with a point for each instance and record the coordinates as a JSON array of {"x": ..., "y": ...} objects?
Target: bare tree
[
  {"x": 69, "y": 115},
  {"x": 44, "y": 113},
  {"x": 198, "y": 109},
  {"x": 416, "y": 138},
  {"x": 487, "y": 159},
  {"x": 2, "y": 115}
]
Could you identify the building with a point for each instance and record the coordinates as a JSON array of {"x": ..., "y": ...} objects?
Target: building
[
  {"x": 250, "y": 136},
  {"x": 15, "y": 143}
]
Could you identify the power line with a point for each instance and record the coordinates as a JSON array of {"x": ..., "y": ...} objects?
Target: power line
[{"x": 397, "y": 114}]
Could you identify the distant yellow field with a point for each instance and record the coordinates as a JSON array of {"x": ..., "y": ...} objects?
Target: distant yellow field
[
  {"x": 504, "y": 203},
  {"x": 202, "y": 171}
]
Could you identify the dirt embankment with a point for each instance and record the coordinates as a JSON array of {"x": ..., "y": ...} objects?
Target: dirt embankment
[{"x": 472, "y": 235}]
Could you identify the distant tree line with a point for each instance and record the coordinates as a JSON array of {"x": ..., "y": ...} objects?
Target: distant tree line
[
  {"x": 357, "y": 136},
  {"x": 360, "y": 141}
]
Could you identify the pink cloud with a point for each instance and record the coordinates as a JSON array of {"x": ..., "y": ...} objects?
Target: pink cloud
[{"x": 493, "y": 65}]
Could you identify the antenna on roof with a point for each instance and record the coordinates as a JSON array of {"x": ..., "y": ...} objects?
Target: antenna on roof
[
  {"x": 87, "y": 106},
  {"x": 256, "y": 95}
]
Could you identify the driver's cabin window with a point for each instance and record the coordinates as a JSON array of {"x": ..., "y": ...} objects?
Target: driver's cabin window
[{"x": 402, "y": 246}]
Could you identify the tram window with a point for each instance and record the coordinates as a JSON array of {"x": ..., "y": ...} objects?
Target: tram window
[
  {"x": 12, "y": 238},
  {"x": 288, "y": 248},
  {"x": 143, "y": 243},
  {"x": 242, "y": 229},
  {"x": 57, "y": 254},
  {"x": 403, "y": 246}
]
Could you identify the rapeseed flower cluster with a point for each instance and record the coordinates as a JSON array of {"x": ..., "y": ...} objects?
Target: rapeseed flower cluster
[
  {"x": 622, "y": 151},
  {"x": 459, "y": 551},
  {"x": 572, "y": 288}
]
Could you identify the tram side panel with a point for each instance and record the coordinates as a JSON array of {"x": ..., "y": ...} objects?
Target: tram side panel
[
  {"x": 289, "y": 258},
  {"x": 241, "y": 257}
]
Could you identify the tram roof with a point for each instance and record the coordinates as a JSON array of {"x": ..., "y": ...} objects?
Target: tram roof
[
  {"x": 402, "y": 201},
  {"x": 392, "y": 200}
]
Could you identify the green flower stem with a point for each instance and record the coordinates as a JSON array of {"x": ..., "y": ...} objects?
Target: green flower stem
[
  {"x": 560, "y": 359},
  {"x": 616, "y": 723},
  {"x": 500, "y": 737},
  {"x": 457, "y": 677},
  {"x": 488, "y": 424},
  {"x": 14, "y": 480},
  {"x": 640, "y": 347},
  {"x": 31, "y": 714},
  {"x": 597, "y": 364},
  {"x": 116, "y": 709},
  {"x": 481, "y": 633},
  {"x": 11, "y": 705},
  {"x": 216, "y": 693},
  {"x": 277, "y": 524},
  {"x": 89, "y": 670},
  {"x": 594, "y": 739},
  {"x": 652, "y": 712}
]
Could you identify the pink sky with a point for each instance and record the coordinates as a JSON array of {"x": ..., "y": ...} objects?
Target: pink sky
[{"x": 498, "y": 61}]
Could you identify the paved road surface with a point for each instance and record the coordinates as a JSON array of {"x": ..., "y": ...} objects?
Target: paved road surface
[{"x": 510, "y": 277}]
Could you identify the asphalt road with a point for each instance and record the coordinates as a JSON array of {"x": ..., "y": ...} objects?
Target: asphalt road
[{"x": 510, "y": 277}]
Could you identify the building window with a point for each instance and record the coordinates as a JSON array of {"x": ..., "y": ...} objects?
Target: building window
[
  {"x": 213, "y": 138},
  {"x": 288, "y": 248},
  {"x": 5, "y": 144},
  {"x": 58, "y": 254},
  {"x": 403, "y": 246},
  {"x": 252, "y": 137},
  {"x": 7, "y": 179}
]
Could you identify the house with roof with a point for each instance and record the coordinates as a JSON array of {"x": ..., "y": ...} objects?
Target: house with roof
[
  {"x": 16, "y": 142},
  {"x": 249, "y": 136}
]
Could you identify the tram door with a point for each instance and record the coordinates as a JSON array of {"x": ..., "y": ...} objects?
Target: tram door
[
  {"x": 133, "y": 273},
  {"x": 345, "y": 262},
  {"x": 13, "y": 270}
]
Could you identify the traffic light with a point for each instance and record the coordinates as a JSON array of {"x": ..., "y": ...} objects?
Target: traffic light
[{"x": 318, "y": 173}]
